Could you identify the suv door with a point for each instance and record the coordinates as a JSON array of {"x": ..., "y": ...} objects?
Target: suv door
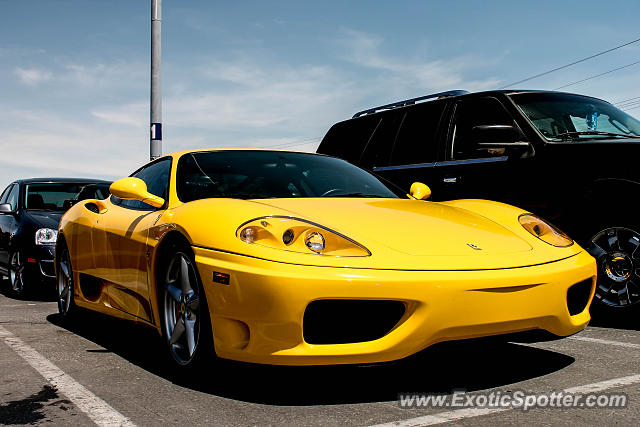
[
  {"x": 486, "y": 155},
  {"x": 413, "y": 148}
]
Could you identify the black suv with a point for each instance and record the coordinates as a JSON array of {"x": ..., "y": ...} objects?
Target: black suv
[{"x": 572, "y": 159}]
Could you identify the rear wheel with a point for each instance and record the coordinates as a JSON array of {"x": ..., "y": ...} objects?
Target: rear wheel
[
  {"x": 617, "y": 253},
  {"x": 64, "y": 281},
  {"x": 185, "y": 317}
]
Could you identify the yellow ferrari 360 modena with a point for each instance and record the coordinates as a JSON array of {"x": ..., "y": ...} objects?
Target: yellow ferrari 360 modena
[{"x": 294, "y": 258}]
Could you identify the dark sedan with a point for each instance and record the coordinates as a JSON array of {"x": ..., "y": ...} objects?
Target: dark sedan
[{"x": 30, "y": 211}]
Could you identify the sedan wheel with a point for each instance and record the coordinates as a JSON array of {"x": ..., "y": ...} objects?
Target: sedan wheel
[
  {"x": 616, "y": 250},
  {"x": 182, "y": 314},
  {"x": 65, "y": 282},
  {"x": 16, "y": 273}
]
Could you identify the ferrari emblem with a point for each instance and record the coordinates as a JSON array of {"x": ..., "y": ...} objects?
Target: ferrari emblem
[{"x": 472, "y": 246}]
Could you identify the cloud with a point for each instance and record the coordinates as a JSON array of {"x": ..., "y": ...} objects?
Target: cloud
[
  {"x": 365, "y": 50},
  {"x": 32, "y": 76}
]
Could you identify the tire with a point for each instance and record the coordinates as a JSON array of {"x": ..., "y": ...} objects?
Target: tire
[
  {"x": 616, "y": 249},
  {"x": 184, "y": 313},
  {"x": 18, "y": 277},
  {"x": 64, "y": 282}
]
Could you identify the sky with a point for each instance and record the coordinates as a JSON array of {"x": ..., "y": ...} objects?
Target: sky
[{"x": 74, "y": 74}]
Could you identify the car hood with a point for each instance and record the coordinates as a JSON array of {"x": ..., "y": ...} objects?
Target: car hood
[
  {"x": 44, "y": 219},
  {"x": 408, "y": 226}
]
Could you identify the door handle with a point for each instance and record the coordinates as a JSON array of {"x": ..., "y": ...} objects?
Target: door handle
[{"x": 450, "y": 180}]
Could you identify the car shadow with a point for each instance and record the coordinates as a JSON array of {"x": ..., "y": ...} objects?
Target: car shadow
[
  {"x": 39, "y": 292},
  {"x": 464, "y": 365},
  {"x": 604, "y": 317}
]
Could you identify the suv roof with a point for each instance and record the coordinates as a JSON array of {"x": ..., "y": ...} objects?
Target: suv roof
[{"x": 451, "y": 94}]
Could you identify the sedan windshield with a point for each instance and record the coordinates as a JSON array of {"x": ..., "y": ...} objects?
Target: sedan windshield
[
  {"x": 565, "y": 117},
  {"x": 60, "y": 196},
  {"x": 245, "y": 174}
]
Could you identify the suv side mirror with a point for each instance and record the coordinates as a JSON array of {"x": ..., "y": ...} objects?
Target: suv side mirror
[
  {"x": 419, "y": 191},
  {"x": 135, "y": 189},
  {"x": 6, "y": 208},
  {"x": 502, "y": 139}
]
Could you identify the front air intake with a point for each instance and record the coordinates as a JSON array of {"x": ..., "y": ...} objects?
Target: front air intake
[
  {"x": 578, "y": 296},
  {"x": 350, "y": 321}
]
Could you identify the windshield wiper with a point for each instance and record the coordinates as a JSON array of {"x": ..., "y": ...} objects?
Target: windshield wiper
[{"x": 570, "y": 135}]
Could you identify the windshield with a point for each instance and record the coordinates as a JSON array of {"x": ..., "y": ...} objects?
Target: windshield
[
  {"x": 60, "y": 196},
  {"x": 561, "y": 117},
  {"x": 247, "y": 174}
]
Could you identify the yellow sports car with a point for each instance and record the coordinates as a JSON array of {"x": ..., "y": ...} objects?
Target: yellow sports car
[{"x": 293, "y": 258}]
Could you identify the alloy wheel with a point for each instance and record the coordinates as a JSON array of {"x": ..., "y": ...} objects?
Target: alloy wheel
[
  {"x": 616, "y": 250},
  {"x": 65, "y": 282},
  {"x": 181, "y": 308},
  {"x": 16, "y": 273}
]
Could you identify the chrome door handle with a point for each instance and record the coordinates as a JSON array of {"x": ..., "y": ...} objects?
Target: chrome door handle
[{"x": 451, "y": 180}]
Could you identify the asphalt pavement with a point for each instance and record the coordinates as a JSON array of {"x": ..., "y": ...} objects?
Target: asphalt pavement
[{"x": 98, "y": 370}]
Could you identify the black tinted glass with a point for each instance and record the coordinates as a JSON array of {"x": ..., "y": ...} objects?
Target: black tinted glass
[
  {"x": 60, "y": 196},
  {"x": 416, "y": 140},
  {"x": 469, "y": 114},
  {"x": 348, "y": 139},
  {"x": 270, "y": 174}
]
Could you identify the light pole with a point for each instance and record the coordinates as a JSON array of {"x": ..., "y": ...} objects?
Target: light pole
[{"x": 156, "y": 80}]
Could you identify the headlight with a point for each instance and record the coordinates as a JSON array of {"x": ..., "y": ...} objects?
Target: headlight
[
  {"x": 544, "y": 231},
  {"x": 46, "y": 236},
  {"x": 298, "y": 235}
]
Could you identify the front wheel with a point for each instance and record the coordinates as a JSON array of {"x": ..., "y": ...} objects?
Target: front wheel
[
  {"x": 617, "y": 253},
  {"x": 17, "y": 273},
  {"x": 186, "y": 325},
  {"x": 64, "y": 281}
]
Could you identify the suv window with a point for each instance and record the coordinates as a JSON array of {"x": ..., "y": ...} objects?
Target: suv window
[
  {"x": 380, "y": 144},
  {"x": 470, "y": 113},
  {"x": 156, "y": 176},
  {"x": 416, "y": 139},
  {"x": 348, "y": 139}
]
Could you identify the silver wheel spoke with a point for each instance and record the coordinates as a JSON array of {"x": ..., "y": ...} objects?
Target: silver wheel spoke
[
  {"x": 178, "y": 330},
  {"x": 191, "y": 341},
  {"x": 184, "y": 276},
  {"x": 192, "y": 301},
  {"x": 596, "y": 251},
  {"x": 64, "y": 268}
]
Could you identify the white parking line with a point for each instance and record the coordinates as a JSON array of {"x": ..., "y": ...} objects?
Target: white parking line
[
  {"x": 458, "y": 414},
  {"x": 95, "y": 408},
  {"x": 606, "y": 342}
]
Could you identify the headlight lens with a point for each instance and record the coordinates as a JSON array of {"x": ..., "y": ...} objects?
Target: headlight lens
[
  {"x": 46, "y": 236},
  {"x": 544, "y": 231},
  {"x": 298, "y": 235}
]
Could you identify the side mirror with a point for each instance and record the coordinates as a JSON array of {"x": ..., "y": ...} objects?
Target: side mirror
[
  {"x": 502, "y": 140},
  {"x": 6, "y": 208},
  {"x": 419, "y": 191},
  {"x": 135, "y": 189}
]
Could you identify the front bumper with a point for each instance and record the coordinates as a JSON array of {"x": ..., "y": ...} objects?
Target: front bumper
[
  {"x": 39, "y": 261},
  {"x": 258, "y": 317}
]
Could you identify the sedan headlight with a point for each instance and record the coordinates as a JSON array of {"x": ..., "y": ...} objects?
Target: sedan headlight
[
  {"x": 298, "y": 235},
  {"x": 46, "y": 236},
  {"x": 544, "y": 231}
]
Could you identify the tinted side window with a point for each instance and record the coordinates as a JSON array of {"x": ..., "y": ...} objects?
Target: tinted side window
[
  {"x": 417, "y": 138},
  {"x": 348, "y": 139},
  {"x": 12, "y": 197},
  {"x": 471, "y": 113},
  {"x": 156, "y": 176},
  {"x": 379, "y": 146}
]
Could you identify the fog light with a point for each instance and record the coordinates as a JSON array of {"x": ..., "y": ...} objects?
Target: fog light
[{"x": 315, "y": 242}]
